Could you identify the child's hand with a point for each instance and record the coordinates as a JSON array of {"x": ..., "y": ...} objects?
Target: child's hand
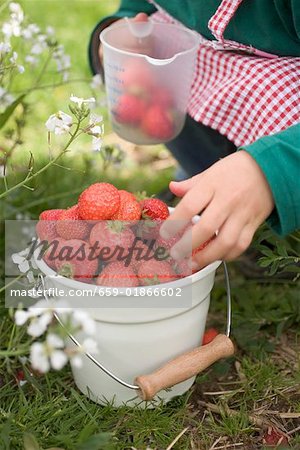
[
  {"x": 140, "y": 17},
  {"x": 234, "y": 198}
]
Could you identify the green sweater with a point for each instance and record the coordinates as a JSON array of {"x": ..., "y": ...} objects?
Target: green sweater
[{"x": 269, "y": 25}]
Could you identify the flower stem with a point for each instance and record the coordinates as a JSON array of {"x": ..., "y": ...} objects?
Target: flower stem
[
  {"x": 19, "y": 352},
  {"x": 50, "y": 163},
  {"x": 12, "y": 282}
]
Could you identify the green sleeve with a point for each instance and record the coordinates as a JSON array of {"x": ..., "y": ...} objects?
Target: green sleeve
[
  {"x": 128, "y": 8},
  {"x": 289, "y": 13},
  {"x": 278, "y": 156}
]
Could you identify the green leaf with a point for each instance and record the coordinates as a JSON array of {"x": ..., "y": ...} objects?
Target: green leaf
[
  {"x": 264, "y": 262},
  {"x": 9, "y": 110},
  {"x": 282, "y": 249},
  {"x": 30, "y": 442},
  {"x": 96, "y": 442}
]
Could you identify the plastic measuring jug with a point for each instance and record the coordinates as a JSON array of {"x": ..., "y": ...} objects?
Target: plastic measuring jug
[{"x": 149, "y": 69}]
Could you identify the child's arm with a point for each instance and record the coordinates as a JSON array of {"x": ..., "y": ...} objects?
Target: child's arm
[
  {"x": 128, "y": 8},
  {"x": 238, "y": 193}
]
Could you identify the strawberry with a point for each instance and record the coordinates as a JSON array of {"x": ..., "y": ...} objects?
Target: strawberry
[
  {"x": 155, "y": 272},
  {"x": 162, "y": 97},
  {"x": 115, "y": 237},
  {"x": 141, "y": 251},
  {"x": 202, "y": 246},
  {"x": 153, "y": 208},
  {"x": 274, "y": 438},
  {"x": 116, "y": 274},
  {"x": 130, "y": 109},
  {"x": 158, "y": 123},
  {"x": 137, "y": 77},
  {"x": 70, "y": 225},
  {"x": 77, "y": 261},
  {"x": 209, "y": 336},
  {"x": 100, "y": 201},
  {"x": 50, "y": 214},
  {"x": 46, "y": 230},
  {"x": 51, "y": 255},
  {"x": 20, "y": 375},
  {"x": 182, "y": 268},
  {"x": 130, "y": 209}
]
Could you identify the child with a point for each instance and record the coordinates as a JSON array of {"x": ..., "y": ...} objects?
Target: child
[{"x": 245, "y": 97}]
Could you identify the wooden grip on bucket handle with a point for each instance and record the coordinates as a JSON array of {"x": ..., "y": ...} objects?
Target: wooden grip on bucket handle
[{"x": 184, "y": 366}]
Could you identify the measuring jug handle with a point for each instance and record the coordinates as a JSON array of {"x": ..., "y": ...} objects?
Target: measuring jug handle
[{"x": 184, "y": 366}]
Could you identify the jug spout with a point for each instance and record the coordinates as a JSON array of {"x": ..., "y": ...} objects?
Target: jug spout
[{"x": 160, "y": 62}]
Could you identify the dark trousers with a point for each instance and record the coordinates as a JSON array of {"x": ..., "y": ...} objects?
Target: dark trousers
[{"x": 197, "y": 147}]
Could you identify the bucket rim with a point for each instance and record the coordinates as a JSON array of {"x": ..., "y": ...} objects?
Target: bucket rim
[
  {"x": 151, "y": 60},
  {"x": 74, "y": 284}
]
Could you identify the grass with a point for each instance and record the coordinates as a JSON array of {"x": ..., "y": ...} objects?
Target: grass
[{"x": 232, "y": 404}]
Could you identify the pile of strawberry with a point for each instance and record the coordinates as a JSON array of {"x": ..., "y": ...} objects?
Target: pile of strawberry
[
  {"x": 144, "y": 104},
  {"x": 82, "y": 241}
]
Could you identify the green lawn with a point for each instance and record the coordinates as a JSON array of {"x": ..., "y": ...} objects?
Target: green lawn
[{"x": 233, "y": 403}]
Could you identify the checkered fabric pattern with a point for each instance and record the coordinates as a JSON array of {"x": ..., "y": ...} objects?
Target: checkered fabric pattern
[
  {"x": 219, "y": 21},
  {"x": 242, "y": 96}
]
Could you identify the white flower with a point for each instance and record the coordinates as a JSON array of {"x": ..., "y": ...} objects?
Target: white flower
[
  {"x": 55, "y": 306},
  {"x": 42, "y": 38},
  {"x": 59, "y": 123},
  {"x": 97, "y": 82},
  {"x": 63, "y": 61},
  {"x": 13, "y": 27},
  {"x": 95, "y": 119},
  {"x": 80, "y": 101},
  {"x": 96, "y": 131},
  {"x": 48, "y": 354},
  {"x": 39, "y": 358},
  {"x": 30, "y": 31},
  {"x": 5, "y": 47},
  {"x": 85, "y": 321},
  {"x": 89, "y": 346},
  {"x": 16, "y": 11},
  {"x": 30, "y": 276},
  {"x": 58, "y": 359},
  {"x": 6, "y": 99},
  {"x": 37, "y": 48},
  {"x": 21, "y": 69},
  {"x": 38, "y": 325},
  {"x": 21, "y": 260},
  {"x": 2, "y": 171},
  {"x": 21, "y": 317},
  {"x": 31, "y": 60},
  {"x": 65, "y": 76},
  {"x": 76, "y": 360},
  {"x": 97, "y": 144},
  {"x": 14, "y": 57},
  {"x": 50, "y": 31},
  {"x": 10, "y": 29}
]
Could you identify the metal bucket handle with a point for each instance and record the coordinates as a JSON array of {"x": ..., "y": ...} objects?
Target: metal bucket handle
[{"x": 179, "y": 369}]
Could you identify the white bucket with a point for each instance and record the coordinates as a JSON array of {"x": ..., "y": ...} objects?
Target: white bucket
[{"x": 141, "y": 336}]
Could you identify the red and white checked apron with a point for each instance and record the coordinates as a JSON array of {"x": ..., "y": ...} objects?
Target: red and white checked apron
[{"x": 240, "y": 91}]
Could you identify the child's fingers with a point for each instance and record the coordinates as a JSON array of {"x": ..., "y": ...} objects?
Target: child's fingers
[
  {"x": 141, "y": 17},
  {"x": 220, "y": 246},
  {"x": 180, "y": 188},
  {"x": 188, "y": 207},
  {"x": 242, "y": 243},
  {"x": 211, "y": 220}
]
